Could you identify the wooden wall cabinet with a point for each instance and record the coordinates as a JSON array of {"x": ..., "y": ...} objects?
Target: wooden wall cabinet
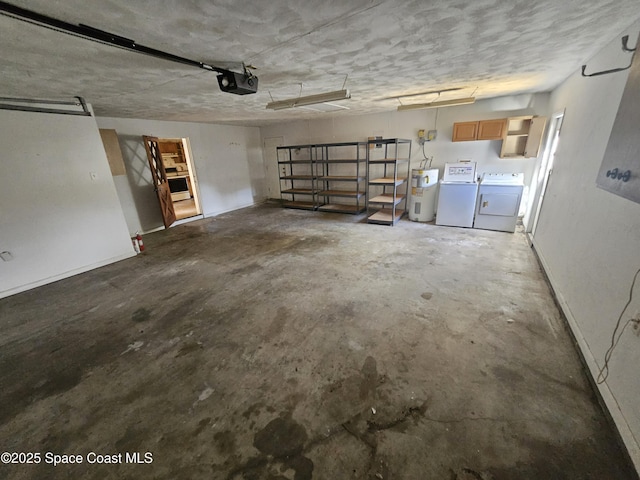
[
  {"x": 464, "y": 131},
  {"x": 491, "y": 129},
  {"x": 479, "y": 130},
  {"x": 522, "y": 137}
]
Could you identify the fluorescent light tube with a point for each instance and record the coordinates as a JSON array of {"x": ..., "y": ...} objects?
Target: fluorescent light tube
[
  {"x": 443, "y": 103},
  {"x": 310, "y": 100},
  {"x": 325, "y": 107}
]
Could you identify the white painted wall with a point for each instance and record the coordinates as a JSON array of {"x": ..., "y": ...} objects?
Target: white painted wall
[
  {"x": 589, "y": 239},
  {"x": 406, "y": 125},
  {"x": 227, "y": 159},
  {"x": 54, "y": 218}
]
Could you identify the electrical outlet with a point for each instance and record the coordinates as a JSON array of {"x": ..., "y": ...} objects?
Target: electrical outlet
[{"x": 421, "y": 137}]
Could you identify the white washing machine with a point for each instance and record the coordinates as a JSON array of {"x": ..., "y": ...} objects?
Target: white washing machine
[
  {"x": 499, "y": 197},
  {"x": 457, "y": 196}
]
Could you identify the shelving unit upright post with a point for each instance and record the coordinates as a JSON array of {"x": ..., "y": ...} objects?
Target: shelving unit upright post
[
  {"x": 297, "y": 178},
  {"x": 387, "y": 184},
  {"x": 339, "y": 190}
]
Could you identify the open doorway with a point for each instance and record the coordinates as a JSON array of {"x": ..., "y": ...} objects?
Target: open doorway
[
  {"x": 174, "y": 178},
  {"x": 546, "y": 167},
  {"x": 176, "y": 159}
]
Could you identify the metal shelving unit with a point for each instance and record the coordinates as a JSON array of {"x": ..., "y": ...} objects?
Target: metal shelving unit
[
  {"x": 347, "y": 177},
  {"x": 298, "y": 187},
  {"x": 339, "y": 190},
  {"x": 388, "y": 176}
]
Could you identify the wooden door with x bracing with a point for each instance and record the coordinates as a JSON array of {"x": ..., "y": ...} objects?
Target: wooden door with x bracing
[{"x": 160, "y": 183}]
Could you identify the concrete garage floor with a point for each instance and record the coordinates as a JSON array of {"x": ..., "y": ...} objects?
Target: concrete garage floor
[{"x": 271, "y": 344}]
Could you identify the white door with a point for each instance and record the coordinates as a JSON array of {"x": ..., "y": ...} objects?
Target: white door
[
  {"x": 546, "y": 168},
  {"x": 270, "y": 156}
]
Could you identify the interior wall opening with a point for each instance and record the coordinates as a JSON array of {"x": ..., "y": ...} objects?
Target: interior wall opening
[
  {"x": 546, "y": 167},
  {"x": 176, "y": 158}
]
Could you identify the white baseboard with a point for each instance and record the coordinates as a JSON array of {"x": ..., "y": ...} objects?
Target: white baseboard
[
  {"x": 187, "y": 220},
  {"x": 605, "y": 392},
  {"x": 70, "y": 273},
  {"x": 215, "y": 214}
]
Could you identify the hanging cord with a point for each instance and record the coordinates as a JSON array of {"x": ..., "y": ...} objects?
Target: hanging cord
[
  {"x": 604, "y": 371},
  {"x": 435, "y": 127},
  {"x": 426, "y": 163}
]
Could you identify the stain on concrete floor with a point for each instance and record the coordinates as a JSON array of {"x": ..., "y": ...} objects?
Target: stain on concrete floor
[{"x": 276, "y": 344}]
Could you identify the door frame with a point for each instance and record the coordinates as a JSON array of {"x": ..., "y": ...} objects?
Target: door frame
[
  {"x": 546, "y": 166},
  {"x": 186, "y": 147},
  {"x": 193, "y": 179},
  {"x": 271, "y": 172}
]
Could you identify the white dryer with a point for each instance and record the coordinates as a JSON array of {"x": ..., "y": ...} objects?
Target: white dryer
[{"x": 499, "y": 197}]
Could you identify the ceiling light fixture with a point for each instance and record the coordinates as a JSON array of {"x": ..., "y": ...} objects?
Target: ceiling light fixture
[
  {"x": 310, "y": 100},
  {"x": 419, "y": 94},
  {"x": 325, "y": 107},
  {"x": 442, "y": 103}
]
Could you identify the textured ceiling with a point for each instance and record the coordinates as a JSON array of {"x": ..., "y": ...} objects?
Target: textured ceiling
[{"x": 386, "y": 48}]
